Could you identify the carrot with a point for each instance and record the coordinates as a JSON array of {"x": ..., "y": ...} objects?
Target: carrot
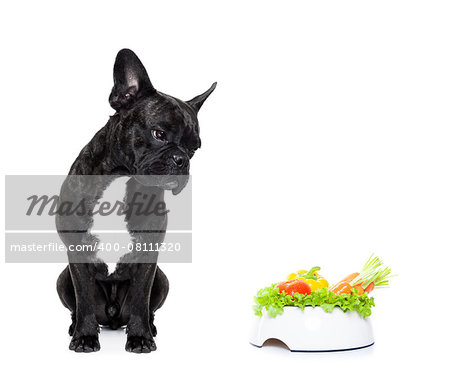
[
  {"x": 350, "y": 277},
  {"x": 341, "y": 288},
  {"x": 369, "y": 287},
  {"x": 359, "y": 288},
  {"x": 371, "y": 277},
  {"x": 344, "y": 286}
]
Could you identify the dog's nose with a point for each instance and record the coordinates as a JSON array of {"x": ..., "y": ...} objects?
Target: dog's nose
[{"x": 179, "y": 160}]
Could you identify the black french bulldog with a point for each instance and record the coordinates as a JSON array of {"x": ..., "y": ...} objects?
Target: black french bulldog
[{"x": 150, "y": 134}]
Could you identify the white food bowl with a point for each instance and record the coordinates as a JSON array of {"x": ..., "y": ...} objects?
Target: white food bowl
[{"x": 313, "y": 329}]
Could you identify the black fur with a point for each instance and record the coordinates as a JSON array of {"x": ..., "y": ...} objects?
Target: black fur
[{"x": 150, "y": 134}]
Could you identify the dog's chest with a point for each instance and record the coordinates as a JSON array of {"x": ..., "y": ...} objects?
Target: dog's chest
[{"x": 110, "y": 227}]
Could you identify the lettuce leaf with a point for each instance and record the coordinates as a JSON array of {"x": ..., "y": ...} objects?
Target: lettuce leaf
[{"x": 270, "y": 299}]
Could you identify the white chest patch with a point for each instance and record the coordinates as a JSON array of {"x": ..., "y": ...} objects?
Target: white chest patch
[{"x": 110, "y": 227}]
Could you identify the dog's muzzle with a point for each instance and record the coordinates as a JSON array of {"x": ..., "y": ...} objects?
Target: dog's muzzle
[{"x": 168, "y": 170}]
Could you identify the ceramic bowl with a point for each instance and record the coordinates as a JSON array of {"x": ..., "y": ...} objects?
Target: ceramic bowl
[{"x": 313, "y": 329}]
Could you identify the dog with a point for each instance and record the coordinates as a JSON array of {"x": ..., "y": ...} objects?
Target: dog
[{"x": 150, "y": 134}]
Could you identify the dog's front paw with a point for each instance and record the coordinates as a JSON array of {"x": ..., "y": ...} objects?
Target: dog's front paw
[
  {"x": 85, "y": 343},
  {"x": 139, "y": 344}
]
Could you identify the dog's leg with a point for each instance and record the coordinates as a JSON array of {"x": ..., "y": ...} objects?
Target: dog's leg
[
  {"x": 147, "y": 231},
  {"x": 159, "y": 292},
  {"x": 140, "y": 338},
  {"x": 85, "y": 333},
  {"x": 74, "y": 230},
  {"x": 66, "y": 293},
  {"x": 84, "y": 327}
]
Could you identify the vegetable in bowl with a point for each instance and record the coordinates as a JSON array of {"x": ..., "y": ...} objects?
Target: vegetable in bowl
[
  {"x": 371, "y": 277},
  {"x": 273, "y": 301},
  {"x": 309, "y": 289}
]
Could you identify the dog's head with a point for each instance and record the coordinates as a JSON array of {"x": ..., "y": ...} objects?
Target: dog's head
[{"x": 162, "y": 132}]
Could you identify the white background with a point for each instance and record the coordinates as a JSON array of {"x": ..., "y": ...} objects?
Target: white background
[{"x": 326, "y": 139}]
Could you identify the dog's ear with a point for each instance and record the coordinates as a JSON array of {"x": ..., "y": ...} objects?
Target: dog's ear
[
  {"x": 197, "y": 102},
  {"x": 131, "y": 81}
]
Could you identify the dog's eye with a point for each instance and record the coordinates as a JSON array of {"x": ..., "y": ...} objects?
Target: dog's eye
[{"x": 159, "y": 135}]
